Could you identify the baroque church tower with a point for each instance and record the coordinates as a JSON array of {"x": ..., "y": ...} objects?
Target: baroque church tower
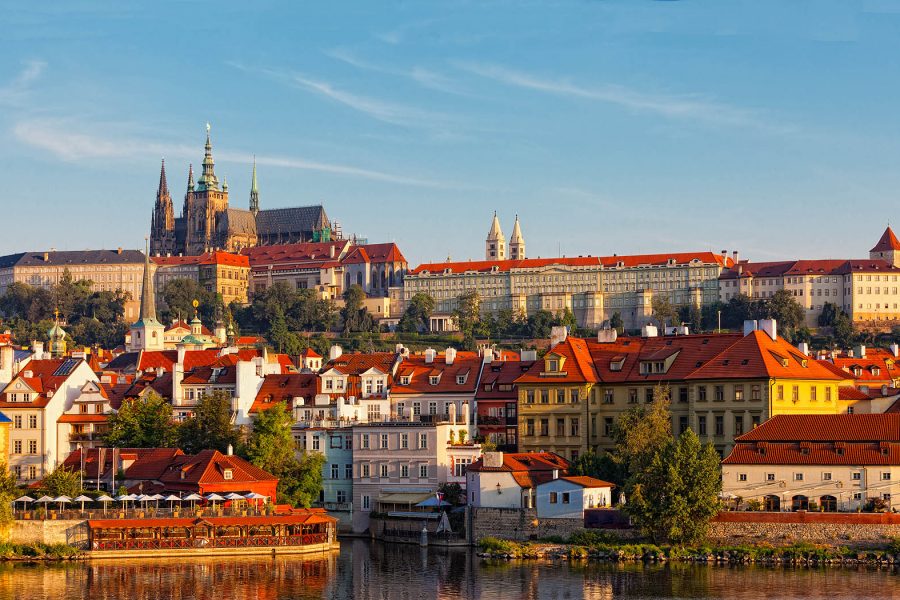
[
  {"x": 495, "y": 245},
  {"x": 147, "y": 333},
  {"x": 162, "y": 226}
]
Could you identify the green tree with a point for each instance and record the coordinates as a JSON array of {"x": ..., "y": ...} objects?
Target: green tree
[
  {"x": 676, "y": 495},
  {"x": 354, "y": 314},
  {"x": 417, "y": 315},
  {"x": 600, "y": 466},
  {"x": 844, "y": 331},
  {"x": 453, "y": 493},
  {"x": 467, "y": 315},
  {"x": 62, "y": 482},
  {"x": 641, "y": 431},
  {"x": 143, "y": 423},
  {"x": 179, "y": 295},
  {"x": 302, "y": 486},
  {"x": 691, "y": 315},
  {"x": 737, "y": 310},
  {"x": 829, "y": 313},
  {"x": 8, "y": 493},
  {"x": 663, "y": 311},
  {"x": 783, "y": 307},
  {"x": 284, "y": 340},
  {"x": 709, "y": 316},
  {"x": 616, "y": 322},
  {"x": 210, "y": 426}
]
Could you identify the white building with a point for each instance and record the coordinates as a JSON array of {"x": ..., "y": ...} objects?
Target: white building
[
  {"x": 568, "y": 497},
  {"x": 507, "y": 480}
]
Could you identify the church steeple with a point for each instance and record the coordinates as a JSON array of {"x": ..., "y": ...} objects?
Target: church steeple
[
  {"x": 162, "y": 229},
  {"x": 254, "y": 191},
  {"x": 147, "y": 332},
  {"x": 208, "y": 180},
  {"x": 495, "y": 245},
  {"x": 517, "y": 242}
]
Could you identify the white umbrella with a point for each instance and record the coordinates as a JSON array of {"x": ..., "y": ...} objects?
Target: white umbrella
[
  {"x": 24, "y": 500},
  {"x": 214, "y": 498},
  {"x": 170, "y": 499},
  {"x": 193, "y": 498},
  {"x": 255, "y": 496},
  {"x": 82, "y": 499},
  {"x": 104, "y": 499},
  {"x": 233, "y": 496},
  {"x": 62, "y": 500},
  {"x": 44, "y": 499}
]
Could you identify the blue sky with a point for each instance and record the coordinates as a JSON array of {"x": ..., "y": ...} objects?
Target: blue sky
[{"x": 609, "y": 127}]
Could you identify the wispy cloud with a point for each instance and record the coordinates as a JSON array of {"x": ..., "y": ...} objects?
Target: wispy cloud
[
  {"x": 58, "y": 138},
  {"x": 426, "y": 78},
  {"x": 15, "y": 92},
  {"x": 679, "y": 106},
  {"x": 381, "y": 110}
]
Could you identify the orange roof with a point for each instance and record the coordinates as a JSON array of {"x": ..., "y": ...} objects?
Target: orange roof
[
  {"x": 575, "y": 261},
  {"x": 310, "y": 353},
  {"x": 207, "y": 467},
  {"x": 45, "y": 376},
  {"x": 826, "y": 428},
  {"x": 528, "y": 469},
  {"x": 284, "y": 388},
  {"x": 588, "y": 482},
  {"x": 311, "y": 254},
  {"x": 853, "y": 453},
  {"x": 466, "y": 365},
  {"x": 758, "y": 355},
  {"x": 296, "y": 517},
  {"x": 887, "y": 242},
  {"x": 577, "y": 368},
  {"x": 210, "y": 258}
]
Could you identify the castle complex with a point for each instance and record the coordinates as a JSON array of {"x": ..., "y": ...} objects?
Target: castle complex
[{"x": 207, "y": 223}]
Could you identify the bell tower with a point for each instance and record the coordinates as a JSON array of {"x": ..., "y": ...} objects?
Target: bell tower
[{"x": 495, "y": 245}]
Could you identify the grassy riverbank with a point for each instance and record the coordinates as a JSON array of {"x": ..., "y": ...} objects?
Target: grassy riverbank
[
  {"x": 38, "y": 551},
  {"x": 590, "y": 545}
]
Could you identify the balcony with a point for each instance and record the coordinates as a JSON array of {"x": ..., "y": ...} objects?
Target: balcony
[{"x": 338, "y": 506}]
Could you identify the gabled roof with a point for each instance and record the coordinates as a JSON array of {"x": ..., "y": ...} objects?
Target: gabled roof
[
  {"x": 587, "y": 482},
  {"x": 466, "y": 364},
  {"x": 149, "y": 463},
  {"x": 73, "y": 257},
  {"x": 357, "y": 363},
  {"x": 498, "y": 373},
  {"x": 208, "y": 467},
  {"x": 43, "y": 377},
  {"x": 826, "y": 428},
  {"x": 528, "y": 469},
  {"x": 577, "y": 368},
  {"x": 887, "y": 242}
]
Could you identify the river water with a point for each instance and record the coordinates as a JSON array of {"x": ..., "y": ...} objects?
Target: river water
[{"x": 367, "y": 571}]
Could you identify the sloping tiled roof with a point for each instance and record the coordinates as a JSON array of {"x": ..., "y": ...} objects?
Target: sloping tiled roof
[
  {"x": 853, "y": 453},
  {"x": 577, "y": 368},
  {"x": 208, "y": 467},
  {"x": 358, "y": 363},
  {"x": 579, "y": 261},
  {"x": 887, "y": 242},
  {"x": 758, "y": 355},
  {"x": 237, "y": 221},
  {"x": 499, "y": 373},
  {"x": 527, "y": 468},
  {"x": 284, "y": 388},
  {"x": 78, "y": 257},
  {"x": 587, "y": 482},
  {"x": 826, "y": 428},
  {"x": 45, "y": 376},
  {"x": 148, "y": 462},
  {"x": 414, "y": 366},
  {"x": 309, "y": 254},
  {"x": 301, "y": 219}
]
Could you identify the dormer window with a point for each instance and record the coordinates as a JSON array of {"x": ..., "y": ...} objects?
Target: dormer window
[
  {"x": 460, "y": 379},
  {"x": 434, "y": 379},
  {"x": 553, "y": 366},
  {"x": 876, "y": 371},
  {"x": 228, "y": 474},
  {"x": 404, "y": 380}
]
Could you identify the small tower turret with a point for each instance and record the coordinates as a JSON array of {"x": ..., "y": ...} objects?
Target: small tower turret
[
  {"x": 495, "y": 245},
  {"x": 517, "y": 242}
]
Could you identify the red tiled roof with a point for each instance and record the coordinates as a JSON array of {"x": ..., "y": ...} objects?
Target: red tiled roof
[
  {"x": 852, "y": 393},
  {"x": 826, "y": 428},
  {"x": 527, "y": 468},
  {"x": 297, "y": 516},
  {"x": 579, "y": 261},
  {"x": 853, "y": 453},
  {"x": 147, "y": 463},
  {"x": 82, "y": 418},
  {"x": 758, "y": 355},
  {"x": 887, "y": 242},
  {"x": 208, "y": 467},
  {"x": 210, "y": 258},
  {"x": 311, "y": 254},
  {"x": 499, "y": 373},
  {"x": 588, "y": 482},
  {"x": 45, "y": 377},
  {"x": 310, "y": 353},
  {"x": 807, "y": 267},
  {"x": 284, "y": 388},
  {"x": 577, "y": 368},
  {"x": 358, "y": 363},
  {"x": 414, "y": 366}
]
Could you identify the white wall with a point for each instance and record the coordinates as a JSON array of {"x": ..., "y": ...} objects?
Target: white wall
[
  {"x": 484, "y": 487},
  {"x": 579, "y": 499}
]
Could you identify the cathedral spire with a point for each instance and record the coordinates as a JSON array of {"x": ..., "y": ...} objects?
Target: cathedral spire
[
  {"x": 163, "y": 184},
  {"x": 190, "y": 186},
  {"x": 208, "y": 180},
  {"x": 495, "y": 245},
  {"x": 254, "y": 191},
  {"x": 517, "y": 242}
]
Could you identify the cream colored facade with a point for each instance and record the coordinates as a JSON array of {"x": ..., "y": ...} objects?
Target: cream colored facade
[
  {"x": 593, "y": 288},
  {"x": 850, "y": 485}
]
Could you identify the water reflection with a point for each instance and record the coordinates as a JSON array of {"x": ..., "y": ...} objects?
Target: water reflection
[{"x": 369, "y": 572}]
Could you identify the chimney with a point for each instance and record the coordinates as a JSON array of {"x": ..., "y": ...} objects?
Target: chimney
[
  {"x": 528, "y": 355},
  {"x": 555, "y": 473},
  {"x": 450, "y": 355},
  {"x": 607, "y": 336},
  {"x": 119, "y": 250},
  {"x": 429, "y": 356},
  {"x": 488, "y": 356},
  {"x": 895, "y": 350},
  {"x": 180, "y": 360},
  {"x": 177, "y": 378},
  {"x": 46, "y": 257},
  {"x": 649, "y": 331},
  {"x": 331, "y": 251},
  {"x": 452, "y": 414},
  {"x": 860, "y": 351},
  {"x": 37, "y": 348},
  {"x": 230, "y": 450},
  {"x": 558, "y": 334},
  {"x": 770, "y": 326},
  {"x": 803, "y": 347},
  {"x": 724, "y": 256},
  {"x": 335, "y": 352},
  {"x": 734, "y": 256},
  {"x": 750, "y": 326}
]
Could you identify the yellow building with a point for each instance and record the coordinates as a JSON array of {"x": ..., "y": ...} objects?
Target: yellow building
[{"x": 719, "y": 385}]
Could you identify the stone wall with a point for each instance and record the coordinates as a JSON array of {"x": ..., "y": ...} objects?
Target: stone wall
[
  {"x": 520, "y": 525},
  {"x": 49, "y": 531},
  {"x": 839, "y": 529}
]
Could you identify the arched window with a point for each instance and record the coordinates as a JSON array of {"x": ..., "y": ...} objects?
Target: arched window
[
  {"x": 828, "y": 503},
  {"x": 799, "y": 502},
  {"x": 772, "y": 503},
  {"x": 359, "y": 279}
]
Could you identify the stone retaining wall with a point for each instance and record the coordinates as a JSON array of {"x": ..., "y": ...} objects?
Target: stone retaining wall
[
  {"x": 838, "y": 529},
  {"x": 49, "y": 531},
  {"x": 519, "y": 525}
]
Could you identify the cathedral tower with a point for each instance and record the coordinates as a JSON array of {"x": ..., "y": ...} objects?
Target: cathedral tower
[
  {"x": 495, "y": 245},
  {"x": 516, "y": 242},
  {"x": 147, "y": 332},
  {"x": 162, "y": 227},
  {"x": 205, "y": 203}
]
